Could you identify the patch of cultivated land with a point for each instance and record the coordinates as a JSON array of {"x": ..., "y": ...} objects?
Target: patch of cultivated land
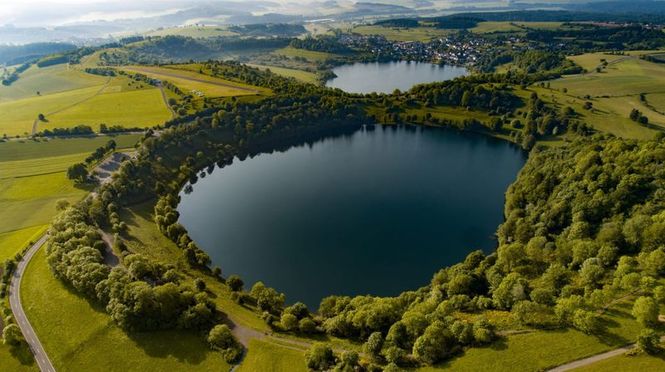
[
  {"x": 613, "y": 92},
  {"x": 307, "y": 54},
  {"x": 191, "y": 81},
  {"x": 33, "y": 179},
  {"x": 48, "y": 80},
  {"x": 301, "y": 75},
  {"x": 116, "y": 101},
  {"x": 139, "y": 108},
  {"x": 403, "y": 34},
  {"x": 193, "y": 31},
  {"x": 82, "y": 337}
]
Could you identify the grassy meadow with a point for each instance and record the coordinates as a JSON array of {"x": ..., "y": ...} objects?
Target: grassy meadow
[
  {"x": 541, "y": 350},
  {"x": 48, "y": 80},
  {"x": 423, "y": 34},
  {"x": 613, "y": 92},
  {"x": 193, "y": 31},
  {"x": 268, "y": 356},
  {"x": 192, "y": 81},
  {"x": 304, "y": 76},
  {"x": 642, "y": 362},
  {"x": 310, "y": 55},
  {"x": 33, "y": 179},
  {"x": 84, "y": 338},
  {"x": 113, "y": 101}
]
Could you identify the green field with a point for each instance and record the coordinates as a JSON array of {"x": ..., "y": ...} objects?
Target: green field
[
  {"x": 114, "y": 102},
  {"x": 32, "y": 180},
  {"x": 139, "y": 108},
  {"x": 44, "y": 148},
  {"x": 541, "y": 350},
  {"x": 640, "y": 362},
  {"x": 48, "y": 80},
  {"x": 490, "y": 27},
  {"x": 193, "y": 31},
  {"x": 304, "y": 76},
  {"x": 192, "y": 81},
  {"x": 10, "y": 362},
  {"x": 268, "y": 356},
  {"x": 613, "y": 92},
  {"x": 82, "y": 337},
  {"x": 15, "y": 241},
  {"x": 307, "y": 54},
  {"x": 403, "y": 34}
]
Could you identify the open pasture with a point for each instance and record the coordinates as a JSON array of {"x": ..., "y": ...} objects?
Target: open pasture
[
  {"x": 192, "y": 81},
  {"x": 423, "y": 34},
  {"x": 83, "y": 337},
  {"x": 309, "y": 55},
  {"x": 193, "y": 31},
  {"x": 48, "y": 80},
  {"x": 304, "y": 76}
]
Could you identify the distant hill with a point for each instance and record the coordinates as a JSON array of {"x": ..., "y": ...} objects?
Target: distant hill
[{"x": 17, "y": 54}]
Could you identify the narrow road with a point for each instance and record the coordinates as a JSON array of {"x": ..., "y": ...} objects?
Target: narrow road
[
  {"x": 42, "y": 359},
  {"x": 110, "y": 165},
  {"x": 595, "y": 358}
]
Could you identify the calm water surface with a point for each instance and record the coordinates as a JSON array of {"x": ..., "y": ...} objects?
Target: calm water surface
[
  {"x": 376, "y": 212},
  {"x": 385, "y": 77}
]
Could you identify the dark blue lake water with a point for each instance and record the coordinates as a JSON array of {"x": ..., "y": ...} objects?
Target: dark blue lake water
[{"x": 375, "y": 212}]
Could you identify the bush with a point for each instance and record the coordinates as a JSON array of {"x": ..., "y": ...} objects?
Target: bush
[
  {"x": 12, "y": 335},
  {"x": 648, "y": 341},
  {"x": 320, "y": 357},
  {"x": 235, "y": 283}
]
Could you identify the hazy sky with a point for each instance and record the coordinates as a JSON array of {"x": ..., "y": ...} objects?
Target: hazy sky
[{"x": 56, "y": 12}]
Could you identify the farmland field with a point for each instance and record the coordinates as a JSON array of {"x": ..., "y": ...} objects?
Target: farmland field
[
  {"x": 307, "y": 54},
  {"x": 117, "y": 101},
  {"x": 301, "y": 75},
  {"x": 191, "y": 81},
  {"x": 193, "y": 31},
  {"x": 403, "y": 34},
  {"x": 48, "y": 80},
  {"x": 32, "y": 180}
]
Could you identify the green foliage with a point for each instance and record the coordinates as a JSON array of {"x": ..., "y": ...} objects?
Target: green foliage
[
  {"x": 649, "y": 341},
  {"x": 11, "y": 335},
  {"x": 320, "y": 357},
  {"x": 645, "y": 310},
  {"x": 220, "y": 338},
  {"x": 374, "y": 344}
]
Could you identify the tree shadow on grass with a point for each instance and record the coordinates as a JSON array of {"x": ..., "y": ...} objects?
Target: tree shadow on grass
[
  {"x": 185, "y": 346},
  {"x": 23, "y": 354}
]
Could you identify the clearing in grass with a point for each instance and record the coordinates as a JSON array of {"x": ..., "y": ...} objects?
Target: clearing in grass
[
  {"x": 304, "y": 76},
  {"x": 268, "y": 356}
]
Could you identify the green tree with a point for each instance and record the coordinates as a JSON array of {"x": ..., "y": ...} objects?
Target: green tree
[
  {"x": 235, "y": 283},
  {"x": 77, "y": 172},
  {"x": 11, "y": 335},
  {"x": 289, "y": 322},
  {"x": 645, "y": 310},
  {"x": 374, "y": 344},
  {"x": 320, "y": 357},
  {"x": 648, "y": 341}
]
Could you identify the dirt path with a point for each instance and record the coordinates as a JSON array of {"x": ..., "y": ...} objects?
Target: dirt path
[
  {"x": 166, "y": 101},
  {"x": 110, "y": 259}
]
